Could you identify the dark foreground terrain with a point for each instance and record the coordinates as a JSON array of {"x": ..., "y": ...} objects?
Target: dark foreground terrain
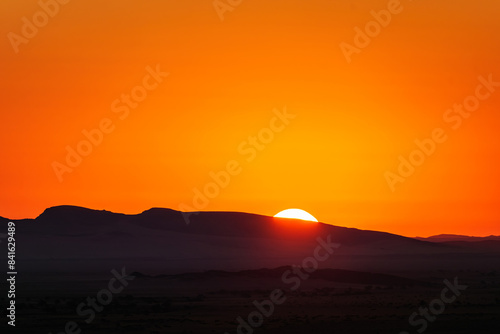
[{"x": 326, "y": 302}]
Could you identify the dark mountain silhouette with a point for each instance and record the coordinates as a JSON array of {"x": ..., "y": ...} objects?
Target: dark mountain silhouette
[
  {"x": 159, "y": 241},
  {"x": 456, "y": 237}
]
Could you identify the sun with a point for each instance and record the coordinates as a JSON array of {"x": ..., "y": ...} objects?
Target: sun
[{"x": 296, "y": 214}]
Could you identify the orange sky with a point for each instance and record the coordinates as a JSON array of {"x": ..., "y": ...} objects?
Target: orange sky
[{"x": 352, "y": 119}]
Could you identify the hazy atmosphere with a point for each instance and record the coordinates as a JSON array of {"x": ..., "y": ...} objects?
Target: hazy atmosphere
[{"x": 250, "y": 166}]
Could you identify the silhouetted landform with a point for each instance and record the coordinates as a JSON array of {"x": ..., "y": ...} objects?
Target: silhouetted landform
[
  {"x": 206, "y": 274},
  {"x": 456, "y": 237},
  {"x": 160, "y": 241},
  {"x": 330, "y": 275}
]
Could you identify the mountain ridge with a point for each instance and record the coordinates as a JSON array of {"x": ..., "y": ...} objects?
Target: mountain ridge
[{"x": 71, "y": 238}]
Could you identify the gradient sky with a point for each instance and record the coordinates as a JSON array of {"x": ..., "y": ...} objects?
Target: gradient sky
[{"x": 353, "y": 120}]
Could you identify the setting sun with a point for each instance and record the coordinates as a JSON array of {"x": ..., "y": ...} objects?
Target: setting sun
[{"x": 296, "y": 214}]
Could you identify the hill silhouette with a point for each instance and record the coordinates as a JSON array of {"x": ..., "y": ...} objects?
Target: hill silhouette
[{"x": 159, "y": 241}]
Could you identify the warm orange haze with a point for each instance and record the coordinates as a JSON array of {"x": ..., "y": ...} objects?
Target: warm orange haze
[
  {"x": 127, "y": 105},
  {"x": 250, "y": 166}
]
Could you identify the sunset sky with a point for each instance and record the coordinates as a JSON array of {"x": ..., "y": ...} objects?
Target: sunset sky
[{"x": 353, "y": 117}]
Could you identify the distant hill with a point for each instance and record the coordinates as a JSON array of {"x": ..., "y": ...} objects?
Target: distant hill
[
  {"x": 456, "y": 237},
  {"x": 69, "y": 239}
]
